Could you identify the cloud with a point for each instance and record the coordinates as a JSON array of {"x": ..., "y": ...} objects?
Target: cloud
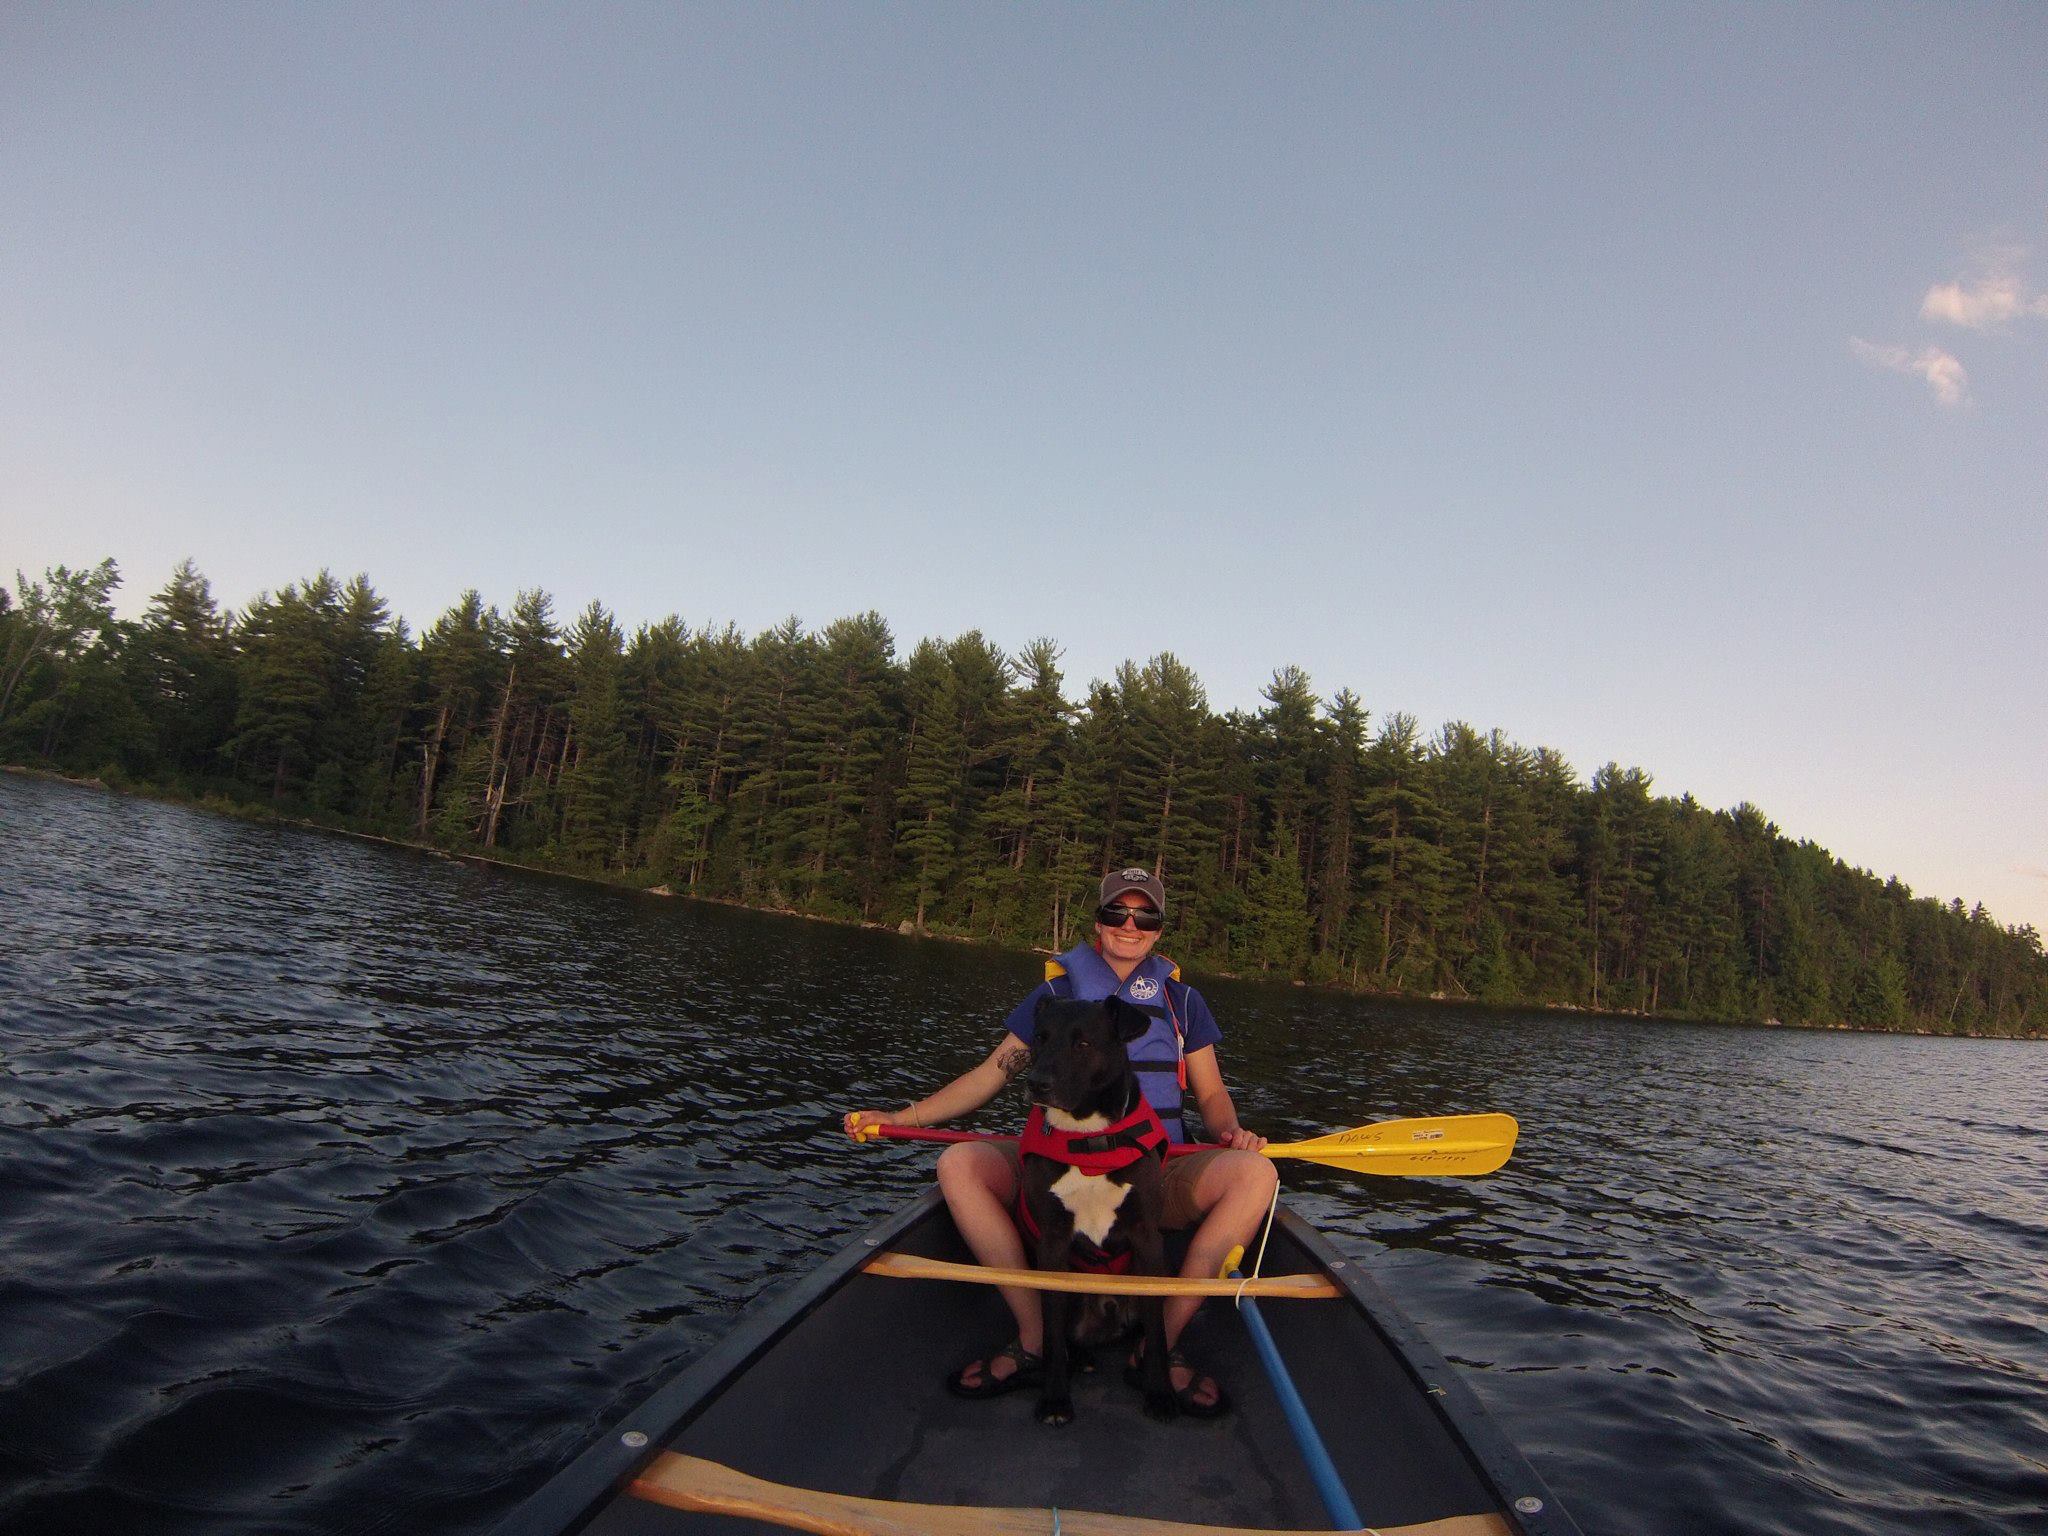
[
  {"x": 1944, "y": 375},
  {"x": 1992, "y": 301},
  {"x": 2031, "y": 871}
]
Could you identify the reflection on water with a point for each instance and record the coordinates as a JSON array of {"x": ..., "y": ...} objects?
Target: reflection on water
[{"x": 347, "y": 1189}]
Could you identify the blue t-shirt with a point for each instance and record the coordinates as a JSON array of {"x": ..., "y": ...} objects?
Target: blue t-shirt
[{"x": 1196, "y": 1021}]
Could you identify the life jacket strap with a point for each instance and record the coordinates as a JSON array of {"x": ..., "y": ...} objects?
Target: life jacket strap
[{"x": 1096, "y": 1152}]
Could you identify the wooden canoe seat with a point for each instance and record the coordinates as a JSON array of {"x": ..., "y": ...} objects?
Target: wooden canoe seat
[
  {"x": 710, "y": 1487},
  {"x": 910, "y": 1266}
]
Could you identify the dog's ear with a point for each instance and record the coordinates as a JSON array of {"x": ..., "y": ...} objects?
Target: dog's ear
[{"x": 1131, "y": 1021}]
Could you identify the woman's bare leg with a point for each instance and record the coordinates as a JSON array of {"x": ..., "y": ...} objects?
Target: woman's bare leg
[{"x": 980, "y": 1190}]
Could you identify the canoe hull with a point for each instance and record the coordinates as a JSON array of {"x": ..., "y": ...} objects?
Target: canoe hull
[{"x": 836, "y": 1386}]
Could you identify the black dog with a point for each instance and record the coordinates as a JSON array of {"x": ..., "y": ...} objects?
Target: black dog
[{"x": 1091, "y": 1188}]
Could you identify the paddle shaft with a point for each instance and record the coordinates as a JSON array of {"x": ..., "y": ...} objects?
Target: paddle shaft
[
  {"x": 1329, "y": 1486},
  {"x": 1444, "y": 1145},
  {"x": 934, "y": 1133}
]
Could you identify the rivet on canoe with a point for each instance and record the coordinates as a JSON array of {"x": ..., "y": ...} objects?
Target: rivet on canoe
[
  {"x": 1528, "y": 1504},
  {"x": 1336, "y": 1264},
  {"x": 872, "y": 1242},
  {"x": 633, "y": 1437}
]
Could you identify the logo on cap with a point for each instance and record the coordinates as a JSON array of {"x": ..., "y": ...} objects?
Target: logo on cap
[{"x": 1135, "y": 874}]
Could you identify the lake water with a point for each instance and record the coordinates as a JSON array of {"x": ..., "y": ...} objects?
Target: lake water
[{"x": 344, "y": 1188}]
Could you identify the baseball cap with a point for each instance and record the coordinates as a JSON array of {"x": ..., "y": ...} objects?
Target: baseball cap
[{"x": 1120, "y": 881}]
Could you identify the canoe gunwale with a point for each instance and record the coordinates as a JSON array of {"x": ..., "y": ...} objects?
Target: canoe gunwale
[{"x": 1500, "y": 1462}]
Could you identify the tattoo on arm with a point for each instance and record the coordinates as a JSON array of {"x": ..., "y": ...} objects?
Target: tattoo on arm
[{"x": 1013, "y": 1061}]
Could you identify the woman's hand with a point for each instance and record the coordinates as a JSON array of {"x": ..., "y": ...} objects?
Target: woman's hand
[
  {"x": 861, "y": 1123},
  {"x": 1241, "y": 1140}
]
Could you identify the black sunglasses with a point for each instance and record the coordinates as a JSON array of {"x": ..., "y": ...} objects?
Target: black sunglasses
[{"x": 1147, "y": 920}]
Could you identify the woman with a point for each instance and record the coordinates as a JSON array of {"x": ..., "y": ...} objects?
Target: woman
[{"x": 1222, "y": 1194}]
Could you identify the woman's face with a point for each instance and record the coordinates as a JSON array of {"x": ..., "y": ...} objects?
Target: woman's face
[{"x": 1127, "y": 941}]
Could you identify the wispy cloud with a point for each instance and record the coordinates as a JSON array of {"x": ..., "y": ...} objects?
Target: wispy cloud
[
  {"x": 1944, "y": 375},
  {"x": 1990, "y": 301},
  {"x": 2032, "y": 871},
  {"x": 1996, "y": 297}
]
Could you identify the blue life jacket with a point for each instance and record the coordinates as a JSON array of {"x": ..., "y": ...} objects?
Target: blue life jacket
[{"x": 1155, "y": 988}]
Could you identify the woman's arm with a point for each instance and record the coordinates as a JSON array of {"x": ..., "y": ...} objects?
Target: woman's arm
[
  {"x": 962, "y": 1096},
  {"x": 1219, "y": 1115}
]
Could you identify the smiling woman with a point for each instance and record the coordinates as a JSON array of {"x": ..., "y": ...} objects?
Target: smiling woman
[{"x": 1220, "y": 1194}]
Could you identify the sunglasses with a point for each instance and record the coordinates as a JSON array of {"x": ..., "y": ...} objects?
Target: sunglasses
[{"x": 1147, "y": 920}]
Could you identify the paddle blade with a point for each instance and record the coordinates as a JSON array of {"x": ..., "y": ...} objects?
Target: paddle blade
[{"x": 1449, "y": 1146}]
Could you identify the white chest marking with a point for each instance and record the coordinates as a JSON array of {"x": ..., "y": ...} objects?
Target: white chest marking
[{"x": 1093, "y": 1199}]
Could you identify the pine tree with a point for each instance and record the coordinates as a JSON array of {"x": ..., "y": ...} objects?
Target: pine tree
[
  {"x": 841, "y": 742},
  {"x": 1617, "y": 862},
  {"x": 1279, "y": 924},
  {"x": 53, "y": 627},
  {"x": 188, "y": 683},
  {"x": 1166, "y": 776},
  {"x": 1405, "y": 872},
  {"x": 1531, "y": 871},
  {"x": 463, "y": 658},
  {"x": 595, "y": 783},
  {"x": 1285, "y": 750},
  {"x": 391, "y": 698},
  {"x": 529, "y": 726},
  {"x": 350, "y": 735},
  {"x": 1342, "y": 752},
  {"x": 928, "y": 803},
  {"x": 287, "y": 666},
  {"x": 756, "y": 857},
  {"x": 703, "y": 723},
  {"x": 1018, "y": 821}
]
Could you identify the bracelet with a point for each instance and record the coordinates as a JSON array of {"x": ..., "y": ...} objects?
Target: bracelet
[{"x": 910, "y": 1111}]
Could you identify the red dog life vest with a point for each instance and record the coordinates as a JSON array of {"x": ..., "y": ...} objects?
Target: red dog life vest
[{"x": 1093, "y": 1153}]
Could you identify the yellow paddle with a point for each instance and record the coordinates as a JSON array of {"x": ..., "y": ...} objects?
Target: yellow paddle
[
  {"x": 1442, "y": 1145},
  {"x": 1438, "y": 1147}
]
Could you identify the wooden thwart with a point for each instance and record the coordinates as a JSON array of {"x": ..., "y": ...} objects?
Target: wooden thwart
[
  {"x": 710, "y": 1487},
  {"x": 909, "y": 1266}
]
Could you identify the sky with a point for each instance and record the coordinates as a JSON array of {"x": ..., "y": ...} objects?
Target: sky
[{"x": 1663, "y": 385}]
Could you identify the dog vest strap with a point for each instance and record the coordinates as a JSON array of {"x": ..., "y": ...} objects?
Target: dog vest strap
[
  {"x": 1092, "y": 1153},
  {"x": 1096, "y": 1152}
]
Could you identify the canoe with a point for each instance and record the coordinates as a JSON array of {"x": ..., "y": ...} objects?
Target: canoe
[{"x": 824, "y": 1410}]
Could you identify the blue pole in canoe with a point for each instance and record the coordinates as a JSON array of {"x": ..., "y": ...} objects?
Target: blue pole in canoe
[{"x": 1343, "y": 1515}]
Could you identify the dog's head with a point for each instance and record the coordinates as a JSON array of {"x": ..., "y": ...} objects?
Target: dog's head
[{"x": 1078, "y": 1065}]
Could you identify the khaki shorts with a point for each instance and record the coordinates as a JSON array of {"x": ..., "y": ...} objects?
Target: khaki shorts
[{"x": 1177, "y": 1204}]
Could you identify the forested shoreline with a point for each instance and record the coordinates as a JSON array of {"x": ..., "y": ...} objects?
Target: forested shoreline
[{"x": 959, "y": 791}]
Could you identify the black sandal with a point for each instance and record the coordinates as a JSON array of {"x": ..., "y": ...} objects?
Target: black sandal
[
  {"x": 1030, "y": 1372},
  {"x": 1190, "y": 1403}
]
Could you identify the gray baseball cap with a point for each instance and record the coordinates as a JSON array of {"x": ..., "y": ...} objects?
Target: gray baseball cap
[{"x": 1119, "y": 881}]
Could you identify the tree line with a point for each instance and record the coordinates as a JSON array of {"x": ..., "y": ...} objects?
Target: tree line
[{"x": 959, "y": 790}]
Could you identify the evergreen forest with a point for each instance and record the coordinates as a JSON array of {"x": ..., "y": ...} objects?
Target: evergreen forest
[{"x": 959, "y": 790}]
